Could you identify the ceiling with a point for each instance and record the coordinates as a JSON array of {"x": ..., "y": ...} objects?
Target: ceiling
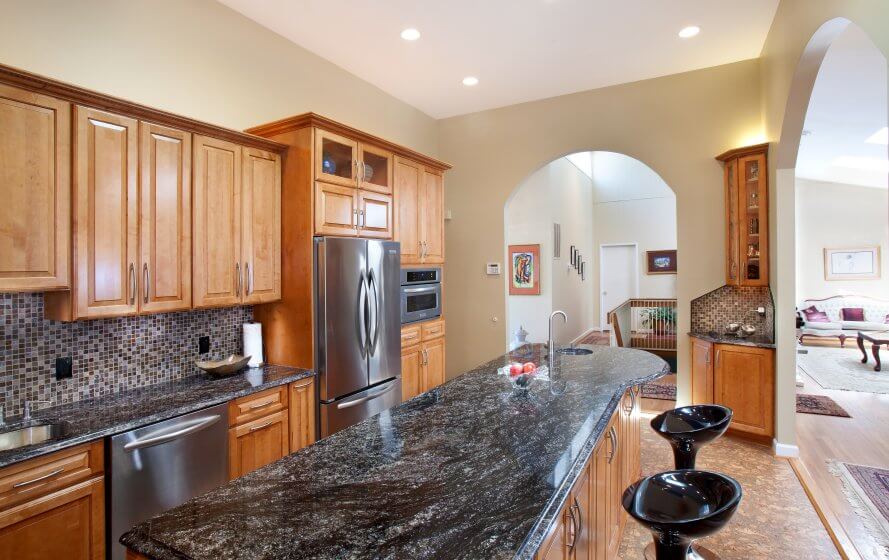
[
  {"x": 848, "y": 106},
  {"x": 520, "y": 50},
  {"x": 617, "y": 177}
]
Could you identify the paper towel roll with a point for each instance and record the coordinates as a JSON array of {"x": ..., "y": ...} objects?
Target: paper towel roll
[{"x": 253, "y": 343}]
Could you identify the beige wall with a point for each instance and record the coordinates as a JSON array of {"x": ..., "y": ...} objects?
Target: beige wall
[
  {"x": 197, "y": 58},
  {"x": 789, "y": 69},
  {"x": 675, "y": 125}
]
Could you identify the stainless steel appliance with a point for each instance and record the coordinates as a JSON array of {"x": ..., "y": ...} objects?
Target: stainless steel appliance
[
  {"x": 420, "y": 294},
  {"x": 160, "y": 466},
  {"x": 358, "y": 346}
]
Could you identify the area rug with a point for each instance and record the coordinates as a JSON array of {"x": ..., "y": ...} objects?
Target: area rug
[
  {"x": 596, "y": 338},
  {"x": 819, "y": 404},
  {"x": 867, "y": 489},
  {"x": 834, "y": 368},
  {"x": 660, "y": 391}
]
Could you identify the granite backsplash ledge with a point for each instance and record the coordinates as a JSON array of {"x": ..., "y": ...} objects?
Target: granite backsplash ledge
[
  {"x": 734, "y": 304},
  {"x": 109, "y": 355}
]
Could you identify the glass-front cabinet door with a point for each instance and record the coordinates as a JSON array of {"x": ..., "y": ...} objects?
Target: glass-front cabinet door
[
  {"x": 733, "y": 246},
  {"x": 374, "y": 169},
  {"x": 753, "y": 231},
  {"x": 336, "y": 159}
]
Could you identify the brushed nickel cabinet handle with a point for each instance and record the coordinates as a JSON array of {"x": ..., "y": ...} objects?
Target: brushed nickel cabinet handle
[
  {"x": 262, "y": 404},
  {"x": 38, "y": 479},
  {"x": 261, "y": 426},
  {"x": 247, "y": 279},
  {"x": 573, "y": 521},
  {"x": 611, "y": 439},
  {"x": 146, "y": 280},
  {"x": 132, "y": 284},
  {"x": 238, "y": 274},
  {"x": 355, "y": 217}
]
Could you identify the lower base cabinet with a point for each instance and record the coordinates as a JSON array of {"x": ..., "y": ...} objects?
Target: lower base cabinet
[
  {"x": 257, "y": 443},
  {"x": 592, "y": 520},
  {"x": 422, "y": 357}
]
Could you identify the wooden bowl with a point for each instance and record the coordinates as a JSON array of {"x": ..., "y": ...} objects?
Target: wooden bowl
[{"x": 220, "y": 368}]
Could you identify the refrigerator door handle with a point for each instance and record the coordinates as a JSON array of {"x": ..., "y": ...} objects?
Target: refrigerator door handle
[
  {"x": 374, "y": 328},
  {"x": 362, "y": 317},
  {"x": 348, "y": 404}
]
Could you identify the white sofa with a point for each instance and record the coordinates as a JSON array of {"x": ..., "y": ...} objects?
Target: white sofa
[{"x": 875, "y": 313}]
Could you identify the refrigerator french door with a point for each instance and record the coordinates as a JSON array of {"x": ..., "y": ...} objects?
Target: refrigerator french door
[{"x": 358, "y": 330}]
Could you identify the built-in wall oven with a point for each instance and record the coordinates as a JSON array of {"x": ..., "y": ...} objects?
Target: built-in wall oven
[{"x": 420, "y": 294}]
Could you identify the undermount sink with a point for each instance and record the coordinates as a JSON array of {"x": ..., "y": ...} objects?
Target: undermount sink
[
  {"x": 29, "y": 435},
  {"x": 575, "y": 351}
]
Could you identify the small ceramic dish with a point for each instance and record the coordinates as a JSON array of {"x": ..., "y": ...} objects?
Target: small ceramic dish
[{"x": 220, "y": 368}]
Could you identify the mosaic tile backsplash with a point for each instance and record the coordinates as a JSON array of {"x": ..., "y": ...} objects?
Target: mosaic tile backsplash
[
  {"x": 109, "y": 355},
  {"x": 733, "y": 304}
]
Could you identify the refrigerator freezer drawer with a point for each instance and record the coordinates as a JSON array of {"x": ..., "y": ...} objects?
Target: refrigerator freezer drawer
[{"x": 344, "y": 412}]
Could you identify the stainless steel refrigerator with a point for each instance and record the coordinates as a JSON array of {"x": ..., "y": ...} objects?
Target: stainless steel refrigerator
[{"x": 358, "y": 329}]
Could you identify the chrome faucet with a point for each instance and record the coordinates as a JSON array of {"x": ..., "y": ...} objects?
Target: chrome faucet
[
  {"x": 551, "y": 343},
  {"x": 26, "y": 414}
]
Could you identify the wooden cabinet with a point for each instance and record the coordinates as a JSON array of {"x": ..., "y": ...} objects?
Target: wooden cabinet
[
  {"x": 165, "y": 210},
  {"x": 744, "y": 380},
  {"x": 261, "y": 225},
  {"x": 554, "y": 546},
  {"x": 54, "y": 506},
  {"x": 701, "y": 371},
  {"x": 336, "y": 160},
  {"x": 419, "y": 193},
  {"x": 35, "y": 185},
  {"x": 336, "y": 210},
  {"x": 375, "y": 215},
  {"x": 302, "y": 414},
  {"x": 422, "y": 357},
  {"x": 582, "y": 519},
  {"x": 747, "y": 216},
  {"x": 374, "y": 169},
  {"x": 257, "y": 443},
  {"x": 237, "y": 224}
]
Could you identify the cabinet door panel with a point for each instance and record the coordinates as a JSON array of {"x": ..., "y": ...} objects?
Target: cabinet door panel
[
  {"x": 302, "y": 414},
  {"x": 701, "y": 372},
  {"x": 165, "y": 234},
  {"x": 335, "y": 159},
  {"x": 336, "y": 210},
  {"x": 744, "y": 381},
  {"x": 583, "y": 509},
  {"x": 408, "y": 175},
  {"x": 377, "y": 173},
  {"x": 411, "y": 376},
  {"x": 35, "y": 184},
  {"x": 217, "y": 272},
  {"x": 614, "y": 479},
  {"x": 375, "y": 215},
  {"x": 106, "y": 215},
  {"x": 432, "y": 217},
  {"x": 753, "y": 207},
  {"x": 257, "y": 443},
  {"x": 66, "y": 524},
  {"x": 434, "y": 368},
  {"x": 600, "y": 496},
  {"x": 732, "y": 221},
  {"x": 261, "y": 219}
]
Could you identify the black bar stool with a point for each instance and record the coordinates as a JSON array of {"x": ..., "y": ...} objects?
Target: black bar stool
[
  {"x": 691, "y": 427},
  {"x": 679, "y": 507}
]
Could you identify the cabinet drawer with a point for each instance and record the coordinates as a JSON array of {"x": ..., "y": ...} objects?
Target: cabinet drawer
[
  {"x": 433, "y": 329},
  {"x": 410, "y": 335},
  {"x": 257, "y": 405},
  {"x": 30, "y": 479}
]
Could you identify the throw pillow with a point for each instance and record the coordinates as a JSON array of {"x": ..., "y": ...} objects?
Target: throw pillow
[
  {"x": 814, "y": 316},
  {"x": 853, "y": 314}
]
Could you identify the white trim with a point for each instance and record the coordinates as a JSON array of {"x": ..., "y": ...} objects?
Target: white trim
[
  {"x": 784, "y": 449},
  {"x": 603, "y": 313}
]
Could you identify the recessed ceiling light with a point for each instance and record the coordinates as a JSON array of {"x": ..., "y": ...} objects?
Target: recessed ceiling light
[
  {"x": 690, "y": 31},
  {"x": 470, "y": 81},
  {"x": 410, "y": 34},
  {"x": 880, "y": 137}
]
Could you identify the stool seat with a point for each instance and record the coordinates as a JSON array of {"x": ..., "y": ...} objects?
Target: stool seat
[
  {"x": 691, "y": 427},
  {"x": 681, "y": 506}
]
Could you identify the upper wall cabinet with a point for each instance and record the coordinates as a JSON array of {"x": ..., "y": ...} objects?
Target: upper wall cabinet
[
  {"x": 35, "y": 186},
  {"x": 261, "y": 225},
  {"x": 419, "y": 193},
  {"x": 747, "y": 216}
]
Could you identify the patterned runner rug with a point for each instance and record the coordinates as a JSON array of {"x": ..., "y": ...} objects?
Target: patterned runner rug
[
  {"x": 819, "y": 404},
  {"x": 867, "y": 489}
]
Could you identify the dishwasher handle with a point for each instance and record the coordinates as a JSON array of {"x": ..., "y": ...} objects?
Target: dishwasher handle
[{"x": 180, "y": 430}]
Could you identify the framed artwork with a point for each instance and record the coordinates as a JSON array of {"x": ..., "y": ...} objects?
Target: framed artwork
[
  {"x": 661, "y": 262},
  {"x": 855, "y": 263},
  {"x": 583, "y": 271},
  {"x": 573, "y": 254},
  {"x": 524, "y": 268}
]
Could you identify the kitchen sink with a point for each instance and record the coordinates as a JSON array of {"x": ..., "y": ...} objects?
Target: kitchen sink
[
  {"x": 29, "y": 435},
  {"x": 575, "y": 351}
]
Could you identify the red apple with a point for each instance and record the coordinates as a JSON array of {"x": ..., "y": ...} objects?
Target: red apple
[
  {"x": 515, "y": 369},
  {"x": 528, "y": 367}
]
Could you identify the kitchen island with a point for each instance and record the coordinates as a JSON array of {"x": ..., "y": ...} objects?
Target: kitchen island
[{"x": 470, "y": 469}]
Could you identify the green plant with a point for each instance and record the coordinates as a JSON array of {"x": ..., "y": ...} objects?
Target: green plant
[{"x": 658, "y": 316}]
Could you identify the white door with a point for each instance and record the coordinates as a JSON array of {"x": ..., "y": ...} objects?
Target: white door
[{"x": 619, "y": 277}]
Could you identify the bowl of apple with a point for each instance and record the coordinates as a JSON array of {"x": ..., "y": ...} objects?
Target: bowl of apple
[{"x": 521, "y": 374}]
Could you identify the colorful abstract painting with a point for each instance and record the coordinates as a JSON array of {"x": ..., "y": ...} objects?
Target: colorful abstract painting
[{"x": 524, "y": 270}]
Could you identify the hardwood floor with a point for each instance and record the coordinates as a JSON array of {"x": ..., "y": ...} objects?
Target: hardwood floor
[{"x": 861, "y": 439}]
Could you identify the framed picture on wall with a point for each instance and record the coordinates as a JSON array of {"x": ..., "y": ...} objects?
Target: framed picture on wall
[
  {"x": 524, "y": 268},
  {"x": 855, "y": 263},
  {"x": 573, "y": 252},
  {"x": 661, "y": 262}
]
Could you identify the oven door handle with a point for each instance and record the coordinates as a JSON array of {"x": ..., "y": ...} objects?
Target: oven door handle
[{"x": 418, "y": 290}]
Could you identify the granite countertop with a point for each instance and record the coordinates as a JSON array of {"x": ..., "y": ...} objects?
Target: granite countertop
[
  {"x": 92, "y": 419},
  {"x": 757, "y": 340},
  {"x": 467, "y": 470}
]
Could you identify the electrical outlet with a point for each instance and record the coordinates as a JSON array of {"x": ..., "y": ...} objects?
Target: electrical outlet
[
  {"x": 204, "y": 344},
  {"x": 64, "y": 368}
]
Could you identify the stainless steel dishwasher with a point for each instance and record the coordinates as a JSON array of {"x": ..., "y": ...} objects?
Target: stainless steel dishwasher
[{"x": 160, "y": 466}]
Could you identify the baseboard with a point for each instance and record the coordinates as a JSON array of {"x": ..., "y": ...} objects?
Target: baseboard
[{"x": 784, "y": 450}]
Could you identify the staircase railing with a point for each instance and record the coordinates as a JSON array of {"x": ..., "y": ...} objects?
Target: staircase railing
[{"x": 644, "y": 323}]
